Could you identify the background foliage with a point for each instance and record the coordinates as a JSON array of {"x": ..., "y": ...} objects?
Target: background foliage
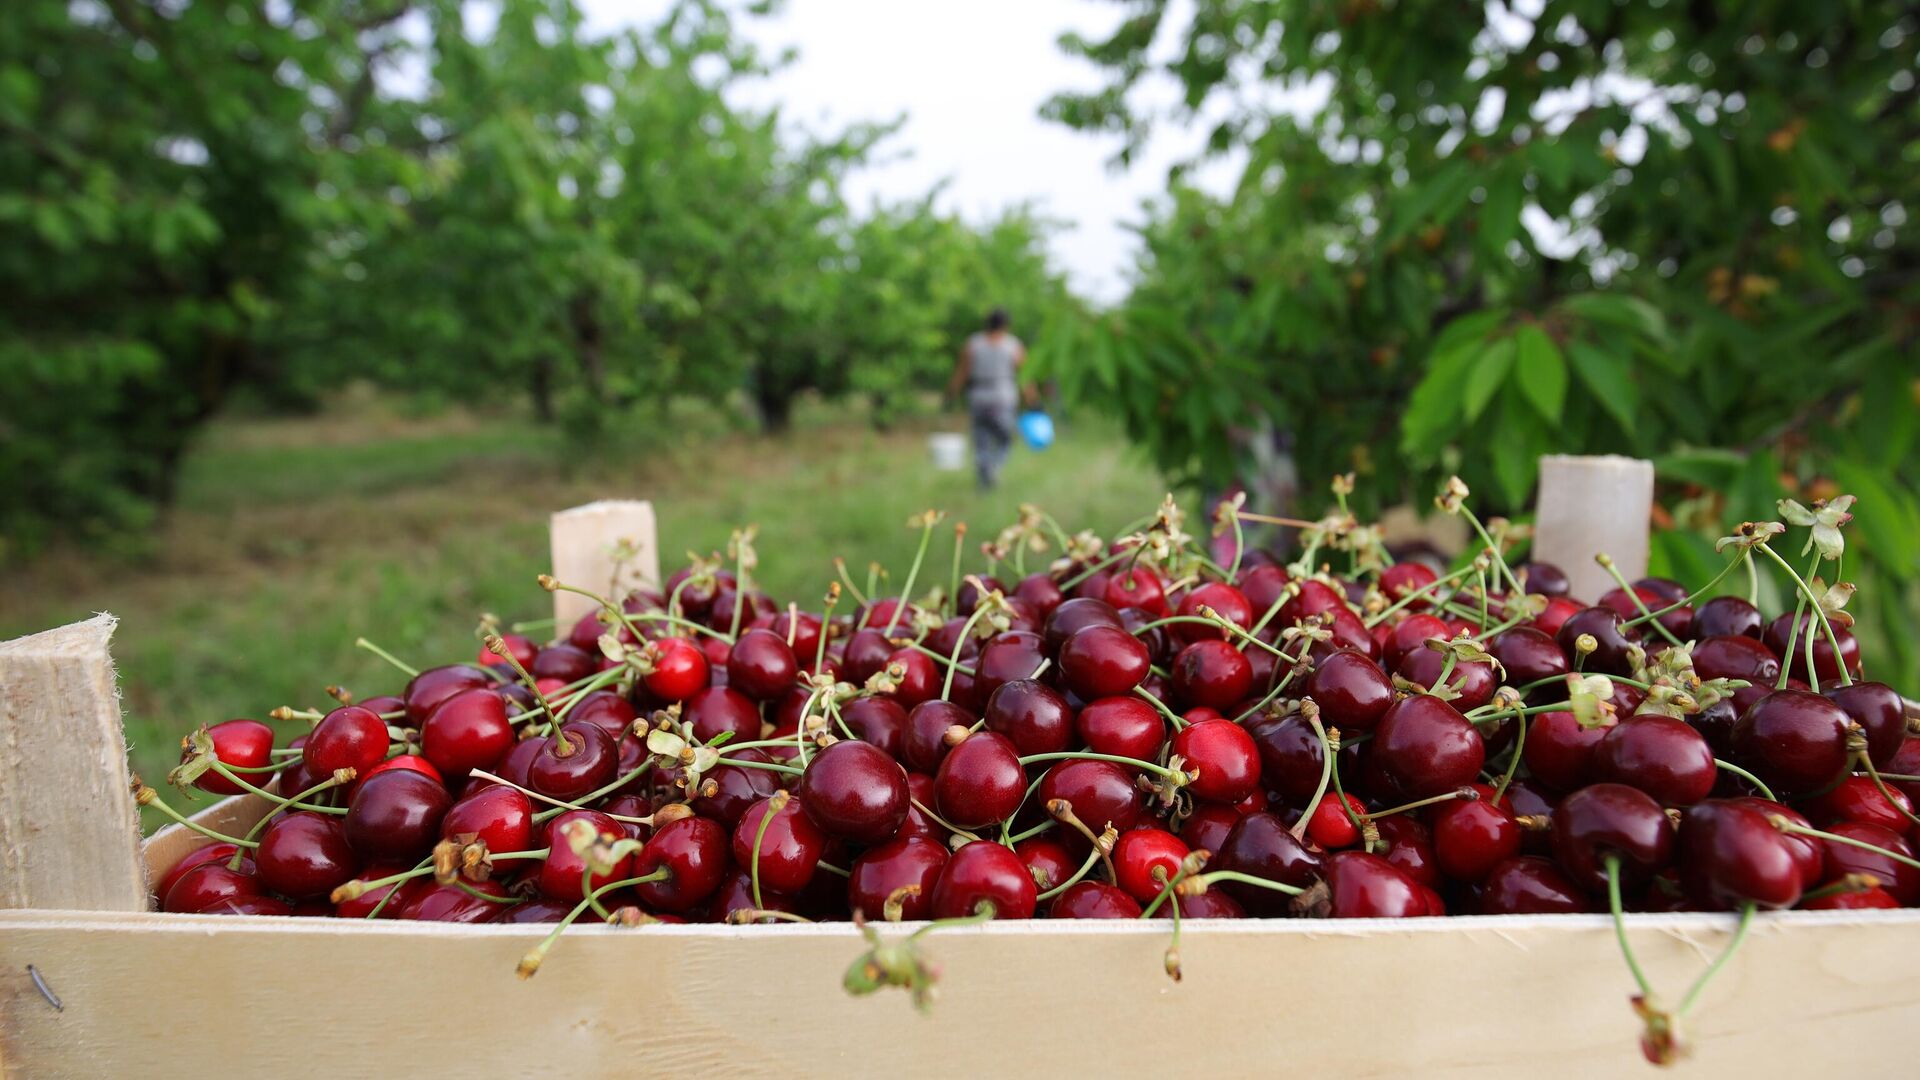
[{"x": 1676, "y": 230}]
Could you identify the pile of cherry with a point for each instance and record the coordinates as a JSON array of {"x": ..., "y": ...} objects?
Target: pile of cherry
[{"x": 1138, "y": 730}]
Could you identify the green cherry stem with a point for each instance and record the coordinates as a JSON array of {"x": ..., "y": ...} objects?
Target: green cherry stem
[
  {"x": 913, "y": 572},
  {"x": 1728, "y": 766},
  {"x": 1606, "y": 563},
  {"x": 383, "y": 654},
  {"x": 1620, "y": 927},
  {"x": 1846, "y": 677}
]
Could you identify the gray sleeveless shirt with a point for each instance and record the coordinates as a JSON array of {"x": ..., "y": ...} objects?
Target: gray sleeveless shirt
[{"x": 991, "y": 381}]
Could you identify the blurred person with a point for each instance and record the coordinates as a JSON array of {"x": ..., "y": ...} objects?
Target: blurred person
[{"x": 989, "y": 370}]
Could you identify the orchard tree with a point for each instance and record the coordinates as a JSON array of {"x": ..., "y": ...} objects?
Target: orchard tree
[{"x": 1465, "y": 234}]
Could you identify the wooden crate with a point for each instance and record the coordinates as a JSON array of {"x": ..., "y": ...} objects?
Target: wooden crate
[{"x": 145, "y": 994}]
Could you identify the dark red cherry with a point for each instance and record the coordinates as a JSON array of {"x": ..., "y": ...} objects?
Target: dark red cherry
[
  {"x": 1351, "y": 690},
  {"x": 1211, "y": 673},
  {"x": 1725, "y": 616},
  {"x": 210, "y": 884},
  {"x": 881, "y": 871},
  {"x": 1031, "y": 714},
  {"x": 1102, "y": 661},
  {"x": 467, "y": 731},
  {"x": 1310, "y": 598},
  {"x": 1261, "y": 846},
  {"x": 395, "y": 816},
  {"x": 1076, "y": 615},
  {"x": 1142, "y": 852},
  {"x": 736, "y": 894},
  {"x": 560, "y": 875},
  {"x": 1125, "y": 726},
  {"x": 1898, "y": 878},
  {"x": 736, "y": 787},
  {"x": 1404, "y": 579},
  {"x": 980, "y": 782},
  {"x": 251, "y": 905},
  {"x": 1212, "y": 904},
  {"x": 1040, "y": 593},
  {"x": 1824, "y": 663},
  {"x": 866, "y": 654},
  {"x": 454, "y": 903},
  {"x": 1207, "y": 827},
  {"x": 435, "y": 685},
  {"x": 1093, "y": 900},
  {"x": 718, "y": 709},
  {"x": 1609, "y": 632},
  {"x": 1559, "y": 750},
  {"x": 1735, "y": 657},
  {"x": 577, "y": 760},
  {"x": 1659, "y": 755},
  {"x": 1677, "y": 621},
  {"x": 1411, "y": 634},
  {"x": 1859, "y": 900},
  {"x": 1010, "y": 657},
  {"x": 1528, "y": 655},
  {"x": 1137, "y": 587},
  {"x": 497, "y": 816},
  {"x": 878, "y": 720},
  {"x": 1471, "y": 838},
  {"x": 206, "y": 853},
  {"x": 1877, "y": 708},
  {"x": 363, "y": 905},
  {"x": 1794, "y": 740},
  {"x": 304, "y": 854},
  {"x": 1408, "y": 845},
  {"x": 1730, "y": 854},
  {"x": 247, "y": 744},
  {"x": 918, "y": 679},
  {"x": 1226, "y": 601},
  {"x": 1223, "y": 757},
  {"x": 1530, "y": 885},
  {"x": 984, "y": 872},
  {"x": 1808, "y": 854},
  {"x": 1543, "y": 578},
  {"x": 1905, "y": 762},
  {"x": 694, "y": 853},
  {"x": 790, "y": 845},
  {"x": 1101, "y": 793},
  {"x": 1047, "y": 861},
  {"x": 606, "y": 710},
  {"x": 925, "y": 745},
  {"x": 1265, "y": 586},
  {"x": 1858, "y": 799},
  {"x": 1472, "y": 680},
  {"x": 1421, "y": 747},
  {"x": 349, "y": 737},
  {"x": 854, "y": 791},
  {"x": 1363, "y": 886},
  {"x": 762, "y": 665},
  {"x": 1291, "y": 756},
  {"x": 1603, "y": 821}
]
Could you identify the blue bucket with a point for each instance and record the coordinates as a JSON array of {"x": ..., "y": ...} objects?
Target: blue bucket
[{"x": 1036, "y": 428}]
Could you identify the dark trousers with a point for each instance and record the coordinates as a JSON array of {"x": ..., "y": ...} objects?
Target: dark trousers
[{"x": 992, "y": 439}]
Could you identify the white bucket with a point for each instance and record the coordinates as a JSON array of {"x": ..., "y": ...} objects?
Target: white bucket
[{"x": 949, "y": 450}]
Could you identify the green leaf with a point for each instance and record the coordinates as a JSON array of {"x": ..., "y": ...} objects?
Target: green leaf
[
  {"x": 1434, "y": 406},
  {"x": 1516, "y": 453},
  {"x": 1437, "y": 199},
  {"x": 1500, "y": 214},
  {"x": 1542, "y": 371},
  {"x": 1609, "y": 379},
  {"x": 1489, "y": 370},
  {"x": 1621, "y": 310}
]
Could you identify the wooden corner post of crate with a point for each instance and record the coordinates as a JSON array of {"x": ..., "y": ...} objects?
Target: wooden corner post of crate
[
  {"x": 1590, "y": 506},
  {"x": 69, "y": 830},
  {"x": 611, "y": 547}
]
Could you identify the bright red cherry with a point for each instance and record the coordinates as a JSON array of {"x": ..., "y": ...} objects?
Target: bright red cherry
[
  {"x": 1102, "y": 661},
  {"x": 1124, "y": 726},
  {"x": 881, "y": 871},
  {"x": 495, "y": 815},
  {"x": 1331, "y": 826},
  {"x": 349, "y": 737},
  {"x": 1223, "y": 757},
  {"x": 467, "y": 731},
  {"x": 984, "y": 872},
  {"x": 1898, "y": 878},
  {"x": 790, "y": 845},
  {"x": 1141, "y": 852},
  {"x": 694, "y": 852},
  {"x": 1362, "y": 886},
  {"x": 1137, "y": 587},
  {"x": 1212, "y": 673},
  {"x": 1559, "y": 749},
  {"x": 1093, "y": 900},
  {"x": 1402, "y": 579},
  {"x": 243, "y": 743},
  {"x": 980, "y": 781},
  {"x": 434, "y": 685},
  {"x": 562, "y": 875},
  {"x": 677, "y": 668},
  {"x": 1226, "y": 601},
  {"x": 1471, "y": 838}
]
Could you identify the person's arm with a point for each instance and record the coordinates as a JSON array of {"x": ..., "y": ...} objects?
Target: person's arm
[{"x": 961, "y": 372}]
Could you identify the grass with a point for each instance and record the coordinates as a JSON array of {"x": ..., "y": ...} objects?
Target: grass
[{"x": 293, "y": 537}]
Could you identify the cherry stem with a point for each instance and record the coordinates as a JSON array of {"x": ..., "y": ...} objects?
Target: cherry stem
[
  {"x": 533, "y": 624},
  {"x": 1331, "y": 741},
  {"x": 1211, "y": 877},
  {"x": 775, "y": 804},
  {"x": 966, "y": 631},
  {"x": 1438, "y": 583},
  {"x": 530, "y": 963},
  {"x": 941, "y": 657},
  {"x": 1269, "y": 519},
  {"x": 1874, "y": 774},
  {"x": 595, "y": 682},
  {"x": 387, "y": 656},
  {"x": 982, "y": 912},
  {"x": 1179, "y": 722},
  {"x": 1700, "y": 984},
  {"x": 1606, "y": 563},
  {"x": 832, "y": 869},
  {"x": 1743, "y": 774},
  {"x": 1299, "y": 829},
  {"x": 913, "y": 572},
  {"x": 943, "y": 822},
  {"x": 672, "y": 620},
  {"x": 840, "y": 568},
  {"x": 1029, "y": 834},
  {"x": 1806, "y": 591},
  {"x": 959, "y": 544},
  {"x": 1457, "y": 795},
  {"x": 751, "y": 915},
  {"x": 330, "y": 782},
  {"x": 561, "y": 805},
  {"x": 1088, "y": 755},
  {"x": 1493, "y": 549},
  {"x": 1513, "y": 766},
  {"x": 283, "y": 802},
  {"x": 1239, "y": 545},
  {"x": 826, "y": 626},
  {"x": 1620, "y": 926},
  {"x": 1745, "y": 556},
  {"x": 1790, "y": 827},
  {"x": 1167, "y": 889},
  {"x": 1093, "y": 569},
  {"x": 1086, "y": 866},
  {"x": 146, "y": 796}
]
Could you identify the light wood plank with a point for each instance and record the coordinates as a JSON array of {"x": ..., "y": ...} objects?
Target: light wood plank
[
  {"x": 1591, "y": 505},
  {"x": 587, "y": 542}
]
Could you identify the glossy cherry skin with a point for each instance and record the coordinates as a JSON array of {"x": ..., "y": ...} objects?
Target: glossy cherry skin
[
  {"x": 363, "y": 905},
  {"x": 1860, "y": 900},
  {"x": 878, "y": 720},
  {"x": 1904, "y": 762},
  {"x": 434, "y": 685},
  {"x": 694, "y": 852},
  {"x": 559, "y": 876},
  {"x": 1212, "y": 673},
  {"x": 854, "y": 791},
  {"x": 679, "y": 668},
  {"x": 1093, "y": 900},
  {"x": 1528, "y": 655},
  {"x": 1137, "y": 587},
  {"x": 1824, "y": 663},
  {"x": 1423, "y": 747},
  {"x": 1226, "y": 601},
  {"x": 1040, "y": 593},
  {"x": 736, "y": 787},
  {"x": 925, "y": 744},
  {"x": 1471, "y": 838},
  {"x": 1901, "y": 880},
  {"x": 566, "y": 662},
  {"x": 210, "y": 884},
  {"x": 497, "y": 816},
  {"x": 1411, "y": 634},
  {"x": 1048, "y": 861},
  {"x": 1402, "y": 579},
  {"x": 984, "y": 872},
  {"x": 1729, "y": 854},
  {"x": 980, "y": 782},
  {"x": 1363, "y": 886},
  {"x": 1559, "y": 610},
  {"x": 467, "y": 731},
  {"x": 1877, "y": 709},
  {"x": 605, "y": 710},
  {"x": 1857, "y": 799},
  {"x": 1725, "y": 616},
  {"x": 1075, "y": 615},
  {"x": 1138, "y": 854},
  {"x": 1473, "y": 680},
  {"x": 918, "y": 679},
  {"x": 790, "y": 847},
  {"x": 1608, "y": 630},
  {"x": 1351, "y": 690},
  {"x": 1212, "y": 904},
  {"x": 1611, "y": 820},
  {"x": 1559, "y": 750},
  {"x": 244, "y": 743},
  {"x": 1735, "y": 657},
  {"x": 206, "y": 853},
  {"x": 1543, "y": 578},
  {"x": 1207, "y": 827},
  {"x": 1659, "y": 755},
  {"x": 1101, "y": 793},
  {"x": 1408, "y": 845},
  {"x": 349, "y": 737},
  {"x": 1808, "y": 853},
  {"x": 1102, "y": 661},
  {"x": 586, "y": 763},
  {"x": 1223, "y": 756},
  {"x": 1031, "y": 714},
  {"x": 1530, "y": 885},
  {"x": 1125, "y": 726},
  {"x": 880, "y": 871},
  {"x": 866, "y": 654},
  {"x": 1794, "y": 740},
  {"x": 395, "y": 816},
  {"x": 762, "y": 665},
  {"x": 1010, "y": 657},
  {"x": 1310, "y": 598},
  {"x": 1676, "y": 621},
  {"x": 718, "y": 709},
  {"x": 1291, "y": 756},
  {"x": 1332, "y": 826},
  {"x": 304, "y": 854},
  {"x": 452, "y": 904}
]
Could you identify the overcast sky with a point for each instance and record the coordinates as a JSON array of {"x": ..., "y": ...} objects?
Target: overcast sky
[{"x": 970, "y": 79}]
